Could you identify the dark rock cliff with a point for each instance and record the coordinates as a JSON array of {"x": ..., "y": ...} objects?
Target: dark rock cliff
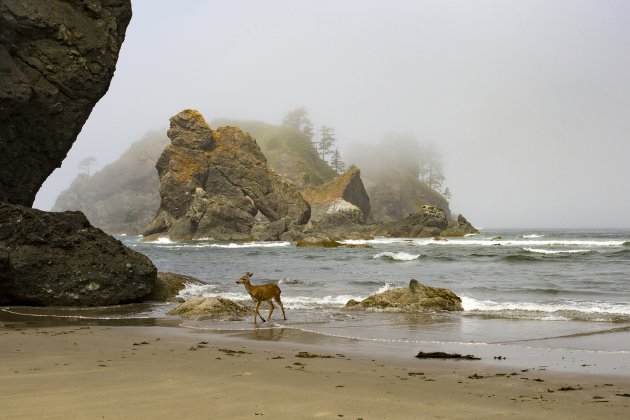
[
  {"x": 217, "y": 184},
  {"x": 60, "y": 259},
  {"x": 56, "y": 61}
]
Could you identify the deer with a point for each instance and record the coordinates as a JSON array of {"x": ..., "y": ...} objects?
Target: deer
[{"x": 262, "y": 293}]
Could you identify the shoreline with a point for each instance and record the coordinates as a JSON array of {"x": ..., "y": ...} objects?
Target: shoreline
[{"x": 161, "y": 371}]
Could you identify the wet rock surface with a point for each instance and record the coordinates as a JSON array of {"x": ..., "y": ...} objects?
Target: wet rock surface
[
  {"x": 201, "y": 308},
  {"x": 416, "y": 297}
]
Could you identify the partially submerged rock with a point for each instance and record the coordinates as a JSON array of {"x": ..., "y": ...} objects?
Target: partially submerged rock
[
  {"x": 217, "y": 184},
  {"x": 416, "y": 297},
  {"x": 168, "y": 285},
  {"x": 60, "y": 259},
  {"x": 326, "y": 243},
  {"x": 219, "y": 308},
  {"x": 317, "y": 242},
  {"x": 427, "y": 222},
  {"x": 461, "y": 227}
]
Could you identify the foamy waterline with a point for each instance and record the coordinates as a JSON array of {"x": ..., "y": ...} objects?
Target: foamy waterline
[
  {"x": 289, "y": 301},
  {"x": 560, "y": 310},
  {"x": 557, "y": 251},
  {"x": 22, "y": 312},
  {"x": 169, "y": 244},
  {"x": 490, "y": 242}
]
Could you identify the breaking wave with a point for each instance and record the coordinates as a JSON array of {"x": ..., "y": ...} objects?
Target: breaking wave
[
  {"x": 557, "y": 251},
  {"x": 396, "y": 256},
  {"x": 232, "y": 245},
  {"x": 562, "y": 310}
]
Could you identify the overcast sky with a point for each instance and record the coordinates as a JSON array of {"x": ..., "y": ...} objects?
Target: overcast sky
[{"x": 529, "y": 101}]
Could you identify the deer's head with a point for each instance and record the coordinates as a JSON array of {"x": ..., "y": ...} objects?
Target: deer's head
[{"x": 245, "y": 278}]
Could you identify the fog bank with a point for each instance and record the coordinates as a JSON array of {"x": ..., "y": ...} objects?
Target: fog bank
[{"x": 527, "y": 101}]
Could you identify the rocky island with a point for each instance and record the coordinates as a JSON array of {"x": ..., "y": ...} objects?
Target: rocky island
[{"x": 195, "y": 194}]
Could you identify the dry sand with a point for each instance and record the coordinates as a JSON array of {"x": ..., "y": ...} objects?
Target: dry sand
[{"x": 160, "y": 372}]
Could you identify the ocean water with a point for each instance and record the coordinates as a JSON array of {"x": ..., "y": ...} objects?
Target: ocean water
[{"x": 542, "y": 289}]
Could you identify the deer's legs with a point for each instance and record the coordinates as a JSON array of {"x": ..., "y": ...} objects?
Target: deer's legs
[
  {"x": 258, "y": 313},
  {"x": 270, "y": 310},
  {"x": 277, "y": 299}
]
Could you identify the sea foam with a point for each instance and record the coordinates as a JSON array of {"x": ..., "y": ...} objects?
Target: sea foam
[
  {"x": 161, "y": 240},
  {"x": 232, "y": 245},
  {"x": 560, "y": 310},
  {"x": 557, "y": 251},
  {"x": 396, "y": 256}
]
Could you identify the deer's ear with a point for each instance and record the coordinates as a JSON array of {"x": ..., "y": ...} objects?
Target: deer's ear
[{"x": 250, "y": 274}]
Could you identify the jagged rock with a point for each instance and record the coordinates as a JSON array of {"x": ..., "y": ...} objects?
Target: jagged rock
[
  {"x": 217, "y": 184},
  {"x": 416, "y": 297},
  {"x": 60, "y": 259},
  {"x": 124, "y": 196},
  {"x": 201, "y": 308},
  {"x": 461, "y": 227},
  {"x": 288, "y": 151},
  {"x": 168, "y": 285},
  {"x": 325, "y": 242},
  {"x": 322, "y": 242},
  {"x": 427, "y": 222},
  {"x": 340, "y": 202},
  {"x": 56, "y": 61}
]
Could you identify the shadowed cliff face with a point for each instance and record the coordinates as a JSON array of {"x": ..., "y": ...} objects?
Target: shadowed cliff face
[
  {"x": 217, "y": 184},
  {"x": 60, "y": 259},
  {"x": 57, "y": 59},
  {"x": 342, "y": 201}
]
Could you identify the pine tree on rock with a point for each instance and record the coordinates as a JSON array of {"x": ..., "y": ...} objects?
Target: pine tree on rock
[
  {"x": 327, "y": 140},
  {"x": 336, "y": 162}
]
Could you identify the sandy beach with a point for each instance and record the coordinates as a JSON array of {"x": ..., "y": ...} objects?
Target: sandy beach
[{"x": 168, "y": 372}]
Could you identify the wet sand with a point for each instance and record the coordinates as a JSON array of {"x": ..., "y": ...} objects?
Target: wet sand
[{"x": 162, "y": 372}]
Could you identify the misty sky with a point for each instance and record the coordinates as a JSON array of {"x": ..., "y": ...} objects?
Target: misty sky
[{"x": 529, "y": 101}]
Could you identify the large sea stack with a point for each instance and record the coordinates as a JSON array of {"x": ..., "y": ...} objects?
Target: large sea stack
[
  {"x": 57, "y": 59},
  {"x": 217, "y": 184}
]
